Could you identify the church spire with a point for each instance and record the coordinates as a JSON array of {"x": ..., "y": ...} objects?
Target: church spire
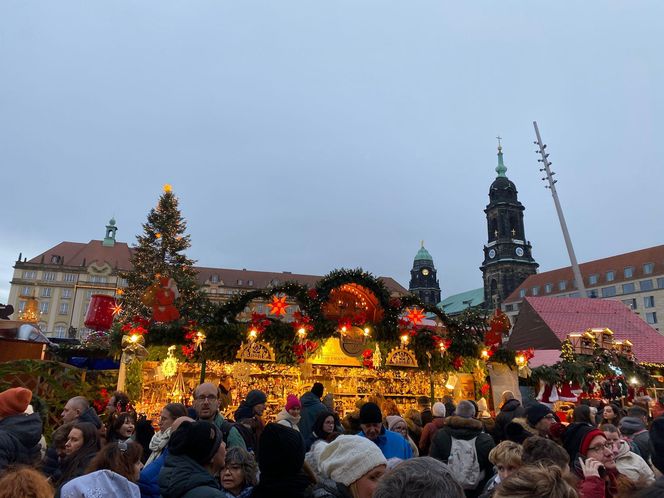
[{"x": 501, "y": 168}]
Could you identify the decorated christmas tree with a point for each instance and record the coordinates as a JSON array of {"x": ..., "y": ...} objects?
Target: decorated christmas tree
[{"x": 157, "y": 258}]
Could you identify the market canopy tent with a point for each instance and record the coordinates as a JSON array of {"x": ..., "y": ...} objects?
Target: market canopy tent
[{"x": 544, "y": 322}]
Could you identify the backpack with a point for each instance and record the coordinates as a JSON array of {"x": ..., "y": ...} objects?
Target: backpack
[
  {"x": 247, "y": 435},
  {"x": 464, "y": 464}
]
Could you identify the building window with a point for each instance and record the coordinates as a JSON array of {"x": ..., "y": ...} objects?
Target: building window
[
  {"x": 629, "y": 272},
  {"x": 60, "y": 331},
  {"x": 628, "y": 288},
  {"x": 66, "y": 294},
  {"x": 88, "y": 294},
  {"x": 649, "y": 302},
  {"x": 609, "y": 291},
  {"x": 21, "y": 306},
  {"x": 610, "y": 276},
  {"x": 648, "y": 268},
  {"x": 98, "y": 279},
  {"x": 592, "y": 279},
  {"x": 651, "y": 317},
  {"x": 509, "y": 307},
  {"x": 69, "y": 277},
  {"x": 64, "y": 308},
  {"x": 30, "y": 274},
  {"x": 592, "y": 293},
  {"x": 535, "y": 291},
  {"x": 562, "y": 285},
  {"x": 240, "y": 282},
  {"x": 646, "y": 285},
  {"x": 214, "y": 279},
  {"x": 43, "y": 307},
  {"x": 548, "y": 288},
  {"x": 55, "y": 259},
  {"x": 630, "y": 303},
  {"x": 46, "y": 292},
  {"x": 522, "y": 293},
  {"x": 49, "y": 276},
  {"x": 660, "y": 283},
  {"x": 250, "y": 282},
  {"x": 25, "y": 291}
]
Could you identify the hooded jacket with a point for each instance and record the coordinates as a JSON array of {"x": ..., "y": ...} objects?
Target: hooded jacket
[
  {"x": 508, "y": 412},
  {"x": 633, "y": 429},
  {"x": 90, "y": 415},
  {"x": 311, "y": 407},
  {"x": 103, "y": 483},
  {"x": 182, "y": 477},
  {"x": 285, "y": 418},
  {"x": 428, "y": 433},
  {"x": 467, "y": 429},
  {"x": 632, "y": 465},
  {"x": 19, "y": 439}
]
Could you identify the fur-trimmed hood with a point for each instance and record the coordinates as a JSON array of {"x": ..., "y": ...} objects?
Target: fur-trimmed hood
[
  {"x": 519, "y": 429},
  {"x": 463, "y": 428}
]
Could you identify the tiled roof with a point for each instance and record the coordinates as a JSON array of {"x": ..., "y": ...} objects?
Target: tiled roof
[
  {"x": 556, "y": 317},
  {"x": 464, "y": 300},
  {"x": 118, "y": 256},
  {"x": 598, "y": 267},
  {"x": 81, "y": 254}
]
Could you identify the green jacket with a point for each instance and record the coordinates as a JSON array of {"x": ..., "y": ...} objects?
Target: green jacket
[{"x": 182, "y": 477}]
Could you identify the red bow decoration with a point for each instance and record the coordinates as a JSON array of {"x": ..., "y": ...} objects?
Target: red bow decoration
[
  {"x": 302, "y": 350},
  {"x": 259, "y": 322},
  {"x": 367, "y": 361},
  {"x": 457, "y": 363}
]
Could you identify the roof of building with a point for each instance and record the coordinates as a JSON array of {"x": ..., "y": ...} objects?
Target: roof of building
[
  {"x": 119, "y": 257},
  {"x": 423, "y": 255},
  {"x": 599, "y": 267},
  {"x": 82, "y": 254},
  {"x": 464, "y": 300},
  {"x": 544, "y": 322}
]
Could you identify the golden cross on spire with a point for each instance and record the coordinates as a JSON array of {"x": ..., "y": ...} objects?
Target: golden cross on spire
[{"x": 500, "y": 147}]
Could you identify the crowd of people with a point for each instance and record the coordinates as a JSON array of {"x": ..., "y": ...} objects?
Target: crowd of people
[{"x": 445, "y": 450}]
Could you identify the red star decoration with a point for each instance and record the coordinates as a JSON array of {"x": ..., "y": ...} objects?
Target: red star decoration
[
  {"x": 278, "y": 305},
  {"x": 117, "y": 309},
  {"x": 415, "y": 315}
]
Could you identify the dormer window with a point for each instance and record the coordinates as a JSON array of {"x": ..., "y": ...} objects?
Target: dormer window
[
  {"x": 214, "y": 279},
  {"x": 55, "y": 259}
]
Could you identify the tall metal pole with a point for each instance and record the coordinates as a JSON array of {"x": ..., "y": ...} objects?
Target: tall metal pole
[{"x": 561, "y": 217}]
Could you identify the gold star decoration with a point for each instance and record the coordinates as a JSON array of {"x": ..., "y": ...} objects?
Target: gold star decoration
[{"x": 168, "y": 188}]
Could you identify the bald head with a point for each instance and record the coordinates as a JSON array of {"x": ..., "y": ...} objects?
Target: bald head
[
  {"x": 178, "y": 422},
  {"x": 73, "y": 409},
  {"x": 206, "y": 401}
]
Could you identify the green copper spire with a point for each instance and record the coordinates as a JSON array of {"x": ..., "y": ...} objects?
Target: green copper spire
[
  {"x": 501, "y": 168},
  {"x": 423, "y": 254}
]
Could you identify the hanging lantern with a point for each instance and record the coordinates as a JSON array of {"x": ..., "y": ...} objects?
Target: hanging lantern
[{"x": 99, "y": 315}]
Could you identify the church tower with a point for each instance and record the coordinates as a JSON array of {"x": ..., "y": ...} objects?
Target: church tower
[
  {"x": 508, "y": 259},
  {"x": 423, "y": 281}
]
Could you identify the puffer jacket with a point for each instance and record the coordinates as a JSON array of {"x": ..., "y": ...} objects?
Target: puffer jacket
[
  {"x": 19, "y": 439},
  {"x": 182, "y": 477},
  {"x": 632, "y": 465}
]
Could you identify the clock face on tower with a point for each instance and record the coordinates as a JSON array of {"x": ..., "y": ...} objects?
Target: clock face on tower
[
  {"x": 519, "y": 251},
  {"x": 492, "y": 253},
  {"x": 425, "y": 271}
]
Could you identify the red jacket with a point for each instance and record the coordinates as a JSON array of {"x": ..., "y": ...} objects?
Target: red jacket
[
  {"x": 427, "y": 434},
  {"x": 595, "y": 487}
]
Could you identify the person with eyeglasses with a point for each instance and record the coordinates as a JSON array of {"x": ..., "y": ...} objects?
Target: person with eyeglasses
[
  {"x": 595, "y": 465},
  {"x": 628, "y": 463},
  {"x": 540, "y": 418},
  {"x": 206, "y": 404}
]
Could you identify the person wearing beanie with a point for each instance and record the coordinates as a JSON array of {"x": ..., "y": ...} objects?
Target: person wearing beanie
[
  {"x": 280, "y": 462},
  {"x": 540, "y": 418},
  {"x": 439, "y": 411},
  {"x": 290, "y": 415},
  {"x": 596, "y": 466},
  {"x": 424, "y": 404},
  {"x": 311, "y": 407},
  {"x": 634, "y": 430},
  {"x": 392, "y": 445},
  {"x": 350, "y": 467},
  {"x": 196, "y": 456},
  {"x": 458, "y": 430},
  {"x": 398, "y": 424},
  {"x": 249, "y": 425},
  {"x": 20, "y": 433}
]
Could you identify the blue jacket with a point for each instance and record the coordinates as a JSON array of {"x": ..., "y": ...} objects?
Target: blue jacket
[
  {"x": 392, "y": 444},
  {"x": 149, "y": 481},
  {"x": 311, "y": 407}
]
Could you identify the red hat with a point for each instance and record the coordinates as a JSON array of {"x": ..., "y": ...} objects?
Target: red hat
[
  {"x": 14, "y": 401},
  {"x": 292, "y": 402},
  {"x": 585, "y": 444}
]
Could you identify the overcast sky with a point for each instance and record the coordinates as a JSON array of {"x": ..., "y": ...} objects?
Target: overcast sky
[{"x": 307, "y": 135}]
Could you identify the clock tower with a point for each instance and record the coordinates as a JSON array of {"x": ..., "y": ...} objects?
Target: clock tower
[
  {"x": 423, "y": 281},
  {"x": 508, "y": 259}
]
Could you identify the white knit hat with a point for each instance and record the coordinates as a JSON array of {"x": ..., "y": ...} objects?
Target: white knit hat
[
  {"x": 348, "y": 458},
  {"x": 438, "y": 410}
]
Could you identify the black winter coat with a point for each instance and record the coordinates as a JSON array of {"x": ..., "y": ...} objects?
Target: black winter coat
[
  {"x": 19, "y": 439},
  {"x": 182, "y": 477},
  {"x": 508, "y": 412}
]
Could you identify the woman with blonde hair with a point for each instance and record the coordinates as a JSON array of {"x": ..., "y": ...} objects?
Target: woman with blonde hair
[
  {"x": 506, "y": 458},
  {"x": 536, "y": 481}
]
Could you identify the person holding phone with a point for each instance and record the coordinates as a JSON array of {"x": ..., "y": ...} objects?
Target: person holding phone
[{"x": 596, "y": 466}]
